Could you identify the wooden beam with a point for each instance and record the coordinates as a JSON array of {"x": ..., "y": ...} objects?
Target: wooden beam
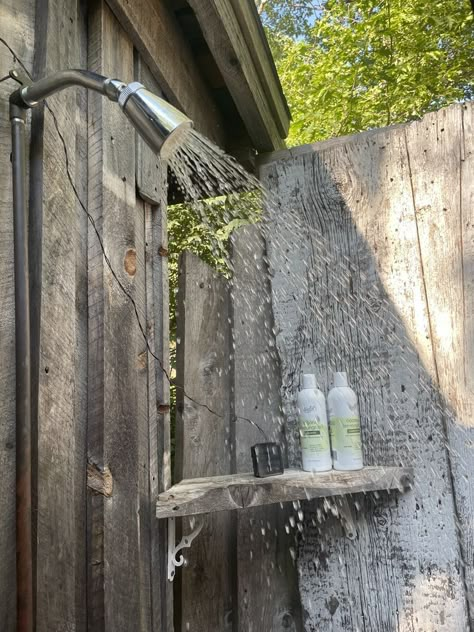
[
  {"x": 241, "y": 491},
  {"x": 203, "y": 439},
  {"x": 439, "y": 151},
  {"x": 59, "y": 325},
  {"x": 254, "y": 35},
  {"x": 234, "y": 58},
  {"x": 156, "y": 35},
  {"x": 151, "y": 187},
  {"x": 119, "y": 550}
]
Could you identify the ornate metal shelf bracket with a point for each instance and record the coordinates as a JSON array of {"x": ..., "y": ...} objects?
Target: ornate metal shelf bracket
[{"x": 174, "y": 549}]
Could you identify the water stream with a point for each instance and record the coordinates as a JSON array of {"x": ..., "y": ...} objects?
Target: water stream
[{"x": 332, "y": 313}]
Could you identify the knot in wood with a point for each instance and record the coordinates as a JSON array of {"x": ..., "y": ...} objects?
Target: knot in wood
[
  {"x": 99, "y": 480},
  {"x": 406, "y": 483},
  {"x": 284, "y": 621},
  {"x": 242, "y": 495},
  {"x": 130, "y": 262},
  {"x": 332, "y": 605}
]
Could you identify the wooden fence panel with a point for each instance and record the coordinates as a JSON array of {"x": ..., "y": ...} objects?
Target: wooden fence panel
[
  {"x": 118, "y": 591},
  {"x": 17, "y": 29},
  {"x": 351, "y": 295},
  {"x": 204, "y": 602},
  {"x": 267, "y": 593},
  {"x": 440, "y": 158},
  {"x": 59, "y": 358}
]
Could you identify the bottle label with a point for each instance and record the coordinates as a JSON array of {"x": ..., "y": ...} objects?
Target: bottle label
[
  {"x": 314, "y": 436},
  {"x": 345, "y": 434}
]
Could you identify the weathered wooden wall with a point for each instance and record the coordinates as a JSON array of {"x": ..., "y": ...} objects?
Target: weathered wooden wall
[
  {"x": 370, "y": 247},
  {"x": 206, "y": 599},
  {"x": 240, "y": 573},
  {"x": 100, "y": 398}
]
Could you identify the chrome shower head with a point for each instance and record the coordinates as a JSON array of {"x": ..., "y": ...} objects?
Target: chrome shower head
[{"x": 160, "y": 124}]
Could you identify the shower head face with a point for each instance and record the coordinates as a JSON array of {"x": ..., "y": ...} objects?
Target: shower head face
[{"x": 161, "y": 125}]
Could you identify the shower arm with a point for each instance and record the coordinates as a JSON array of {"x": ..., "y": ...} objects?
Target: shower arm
[
  {"x": 31, "y": 93},
  {"x": 156, "y": 121}
]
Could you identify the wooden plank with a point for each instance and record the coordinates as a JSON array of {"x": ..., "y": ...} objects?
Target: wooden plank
[
  {"x": 442, "y": 194},
  {"x": 263, "y": 545},
  {"x": 151, "y": 186},
  {"x": 234, "y": 59},
  {"x": 467, "y": 209},
  {"x": 348, "y": 293},
  {"x": 293, "y": 152},
  {"x": 80, "y": 404},
  {"x": 158, "y": 407},
  {"x": 203, "y": 440},
  {"x": 255, "y": 38},
  {"x": 241, "y": 491},
  {"x": 156, "y": 35},
  {"x": 59, "y": 360},
  {"x": 118, "y": 527},
  {"x": 17, "y": 29}
]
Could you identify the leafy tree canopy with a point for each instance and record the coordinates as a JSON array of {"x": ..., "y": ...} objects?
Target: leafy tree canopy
[{"x": 352, "y": 65}]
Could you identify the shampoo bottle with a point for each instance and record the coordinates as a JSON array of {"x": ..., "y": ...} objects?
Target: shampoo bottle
[
  {"x": 313, "y": 427},
  {"x": 345, "y": 425}
]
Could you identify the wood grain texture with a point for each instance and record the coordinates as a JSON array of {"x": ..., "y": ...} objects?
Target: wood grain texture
[
  {"x": 82, "y": 322},
  {"x": 203, "y": 441},
  {"x": 17, "y": 28},
  {"x": 156, "y": 35},
  {"x": 263, "y": 546},
  {"x": 227, "y": 44},
  {"x": 242, "y": 491},
  {"x": 440, "y": 157},
  {"x": 119, "y": 596},
  {"x": 350, "y": 294},
  {"x": 58, "y": 328},
  {"x": 151, "y": 187},
  {"x": 255, "y": 38}
]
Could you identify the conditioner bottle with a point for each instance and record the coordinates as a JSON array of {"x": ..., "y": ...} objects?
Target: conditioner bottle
[
  {"x": 345, "y": 425},
  {"x": 313, "y": 427}
]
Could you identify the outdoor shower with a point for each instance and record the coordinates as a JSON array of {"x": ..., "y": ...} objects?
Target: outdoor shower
[{"x": 162, "y": 127}]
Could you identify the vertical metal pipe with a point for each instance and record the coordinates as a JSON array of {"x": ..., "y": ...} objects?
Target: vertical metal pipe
[{"x": 24, "y": 568}]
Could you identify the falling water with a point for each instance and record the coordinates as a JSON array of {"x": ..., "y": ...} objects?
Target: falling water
[
  {"x": 326, "y": 290},
  {"x": 330, "y": 316}
]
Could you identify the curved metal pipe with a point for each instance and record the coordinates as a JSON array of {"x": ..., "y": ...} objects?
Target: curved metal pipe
[
  {"x": 24, "y": 544},
  {"x": 31, "y": 95}
]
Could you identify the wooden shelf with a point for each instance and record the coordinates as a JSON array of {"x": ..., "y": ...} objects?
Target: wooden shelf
[{"x": 241, "y": 491}]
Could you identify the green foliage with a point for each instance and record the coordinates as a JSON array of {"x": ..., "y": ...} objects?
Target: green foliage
[
  {"x": 348, "y": 66},
  {"x": 204, "y": 228}
]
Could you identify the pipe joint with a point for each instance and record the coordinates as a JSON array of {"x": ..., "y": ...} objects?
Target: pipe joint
[{"x": 18, "y": 107}]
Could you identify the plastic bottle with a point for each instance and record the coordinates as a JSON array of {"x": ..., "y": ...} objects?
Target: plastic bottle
[
  {"x": 344, "y": 422},
  {"x": 313, "y": 427}
]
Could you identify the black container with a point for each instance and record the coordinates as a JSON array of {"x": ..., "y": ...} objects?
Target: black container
[{"x": 267, "y": 459}]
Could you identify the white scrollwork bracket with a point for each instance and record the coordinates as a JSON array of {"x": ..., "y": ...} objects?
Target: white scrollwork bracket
[{"x": 174, "y": 549}]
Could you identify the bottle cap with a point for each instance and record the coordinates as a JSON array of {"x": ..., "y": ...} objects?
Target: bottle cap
[
  {"x": 340, "y": 378},
  {"x": 309, "y": 380}
]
